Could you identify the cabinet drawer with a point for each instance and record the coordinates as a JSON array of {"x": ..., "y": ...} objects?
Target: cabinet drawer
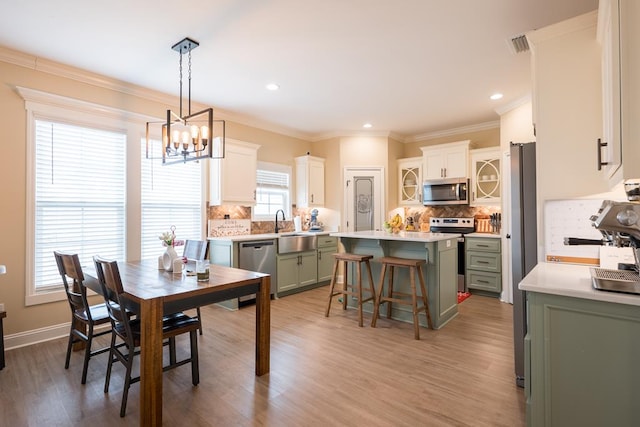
[
  {"x": 486, "y": 281},
  {"x": 482, "y": 244},
  {"x": 324, "y": 241},
  {"x": 484, "y": 261}
]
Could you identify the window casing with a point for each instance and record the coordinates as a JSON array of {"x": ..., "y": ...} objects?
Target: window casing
[
  {"x": 77, "y": 195},
  {"x": 273, "y": 191}
]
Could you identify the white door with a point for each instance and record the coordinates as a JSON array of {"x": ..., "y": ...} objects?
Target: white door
[{"x": 363, "y": 198}]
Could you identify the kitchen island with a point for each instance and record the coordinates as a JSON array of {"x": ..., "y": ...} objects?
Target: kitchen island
[
  {"x": 581, "y": 350},
  {"x": 438, "y": 249}
]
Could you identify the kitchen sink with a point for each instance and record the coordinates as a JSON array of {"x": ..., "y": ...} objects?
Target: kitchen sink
[{"x": 296, "y": 243}]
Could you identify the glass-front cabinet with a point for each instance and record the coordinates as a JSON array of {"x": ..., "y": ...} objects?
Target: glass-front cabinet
[
  {"x": 485, "y": 176},
  {"x": 410, "y": 181}
]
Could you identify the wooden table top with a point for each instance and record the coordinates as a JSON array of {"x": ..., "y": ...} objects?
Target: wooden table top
[{"x": 143, "y": 280}]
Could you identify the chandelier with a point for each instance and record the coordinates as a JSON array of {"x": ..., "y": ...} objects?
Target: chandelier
[{"x": 186, "y": 137}]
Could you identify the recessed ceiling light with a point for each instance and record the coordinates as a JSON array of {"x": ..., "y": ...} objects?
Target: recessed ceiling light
[
  {"x": 496, "y": 96},
  {"x": 273, "y": 86},
  {"x": 367, "y": 125}
]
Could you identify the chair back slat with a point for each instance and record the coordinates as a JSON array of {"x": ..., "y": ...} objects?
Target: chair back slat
[
  {"x": 71, "y": 271},
  {"x": 195, "y": 250},
  {"x": 112, "y": 290}
]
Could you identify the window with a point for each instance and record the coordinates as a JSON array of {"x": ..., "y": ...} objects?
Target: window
[
  {"x": 273, "y": 191},
  {"x": 171, "y": 195},
  {"x": 80, "y": 193}
]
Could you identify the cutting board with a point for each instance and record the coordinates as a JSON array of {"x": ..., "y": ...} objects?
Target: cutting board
[{"x": 570, "y": 218}]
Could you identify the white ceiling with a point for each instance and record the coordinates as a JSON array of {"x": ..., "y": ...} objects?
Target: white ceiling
[{"x": 410, "y": 67}]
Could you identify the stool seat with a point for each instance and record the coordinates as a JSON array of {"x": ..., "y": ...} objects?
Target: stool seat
[
  {"x": 415, "y": 268},
  {"x": 401, "y": 262},
  {"x": 354, "y": 289}
]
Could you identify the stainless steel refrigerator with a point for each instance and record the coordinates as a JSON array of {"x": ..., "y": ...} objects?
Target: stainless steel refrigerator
[{"x": 523, "y": 240}]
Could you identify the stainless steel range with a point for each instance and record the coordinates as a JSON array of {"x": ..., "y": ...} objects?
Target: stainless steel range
[{"x": 460, "y": 226}]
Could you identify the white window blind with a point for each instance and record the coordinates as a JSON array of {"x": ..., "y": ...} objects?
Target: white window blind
[
  {"x": 273, "y": 190},
  {"x": 171, "y": 195},
  {"x": 80, "y": 196}
]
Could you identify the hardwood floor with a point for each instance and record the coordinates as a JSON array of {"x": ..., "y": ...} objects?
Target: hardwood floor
[{"x": 324, "y": 372}]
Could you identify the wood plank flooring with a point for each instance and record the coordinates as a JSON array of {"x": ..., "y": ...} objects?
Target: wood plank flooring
[{"x": 324, "y": 372}]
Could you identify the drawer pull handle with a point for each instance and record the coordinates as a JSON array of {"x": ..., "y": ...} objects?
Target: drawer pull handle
[
  {"x": 483, "y": 246},
  {"x": 483, "y": 281},
  {"x": 483, "y": 262}
]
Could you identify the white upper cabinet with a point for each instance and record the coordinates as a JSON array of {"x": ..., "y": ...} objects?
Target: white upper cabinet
[
  {"x": 410, "y": 181},
  {"x": 485, "y": 177},
  {"x": 619, "y": 34},
  {"x": 446, "y": 160},
  {"x": 309, "y": 181},
  {"x": 232, "y": 180},
  {"x": 567, "y": 107}
]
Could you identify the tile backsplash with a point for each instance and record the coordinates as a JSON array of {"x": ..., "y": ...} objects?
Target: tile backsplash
[
  {"x": 423, "y": 214},
  {"x": 257, "y": 227}
]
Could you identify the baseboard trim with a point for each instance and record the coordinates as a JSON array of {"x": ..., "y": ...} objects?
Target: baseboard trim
[{"x": 35, "y": 336}]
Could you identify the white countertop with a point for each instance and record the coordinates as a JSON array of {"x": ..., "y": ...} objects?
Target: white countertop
[
  {"x": 489, "y": 235},
  {"x": 571, "y": 281},
  {"x": 404, "y": 236},
  {"x": 264, "y": 236}
]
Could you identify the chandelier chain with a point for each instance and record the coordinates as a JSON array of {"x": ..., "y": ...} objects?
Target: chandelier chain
[{"x": 189, "y": 82}]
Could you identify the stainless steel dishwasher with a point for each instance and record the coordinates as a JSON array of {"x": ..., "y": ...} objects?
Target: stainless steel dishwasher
[{"x": 259, "y": 256}]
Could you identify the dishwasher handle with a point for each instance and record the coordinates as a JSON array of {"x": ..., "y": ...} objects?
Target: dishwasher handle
[{"x": 256, "y": 245}]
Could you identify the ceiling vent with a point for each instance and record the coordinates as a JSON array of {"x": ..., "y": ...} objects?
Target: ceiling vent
[{"x": 518, "y": 44}]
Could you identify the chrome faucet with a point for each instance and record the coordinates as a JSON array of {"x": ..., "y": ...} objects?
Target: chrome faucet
[{"x": 283, "y": 218}]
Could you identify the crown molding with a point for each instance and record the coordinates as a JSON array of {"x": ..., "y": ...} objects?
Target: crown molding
[
  {"x": 571, "y": 25},
  {"x": 513, "y": 105},
  {"x": 357, "y": 134},
  {"x": 454, "y": 131}
]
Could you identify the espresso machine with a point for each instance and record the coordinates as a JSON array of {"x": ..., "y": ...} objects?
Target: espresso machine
[{"x": 619, "y": 224}]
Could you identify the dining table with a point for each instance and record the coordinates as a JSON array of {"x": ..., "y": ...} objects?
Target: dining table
[{"x": 152, "y": 293}]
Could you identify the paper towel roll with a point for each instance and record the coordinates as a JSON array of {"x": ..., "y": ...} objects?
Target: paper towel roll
[{"x": 297, "y": 223}]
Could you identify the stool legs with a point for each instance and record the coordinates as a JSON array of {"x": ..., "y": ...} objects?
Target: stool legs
[
  {"x": 336, "y": 263},
  {"x": 356, "y": 287},
  {"x": 414, "y": 303},
  {"x": 378, "y": 300},
  {"x": 425, "y": 297},
  {"x": 415, "y": 268}
]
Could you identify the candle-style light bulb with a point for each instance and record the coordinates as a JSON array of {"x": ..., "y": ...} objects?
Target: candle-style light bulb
[
  {"x": 176, "y": 139},
  {"x": 194, "y": 136},
  {"x": 185, "y": 140},
  {"x": 204, "y": 133}
]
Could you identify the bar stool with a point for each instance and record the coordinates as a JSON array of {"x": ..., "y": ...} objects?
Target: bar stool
[
  {"x": 353, "y": 289},
  {"x": 415, "y": 267}
]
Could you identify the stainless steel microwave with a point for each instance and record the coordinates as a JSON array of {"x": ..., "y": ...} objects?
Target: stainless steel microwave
[{"x": 451, "y": 191}]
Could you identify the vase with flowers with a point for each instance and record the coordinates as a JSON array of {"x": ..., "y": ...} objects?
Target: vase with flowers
[{"x": 170, "y": 242}]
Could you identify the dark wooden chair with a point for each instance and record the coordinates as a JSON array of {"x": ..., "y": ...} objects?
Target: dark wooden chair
[
  {"x": 195, "y": 250},
  {"x": 84, "y": 317},
  {"x": 125, "y": 337}
]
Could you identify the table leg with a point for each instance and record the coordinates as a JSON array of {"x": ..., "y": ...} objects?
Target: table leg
[
  {"x": 3, "y": 314},
  {"x": 263, "y": 326},
  {"x": 151, "y": 362}
]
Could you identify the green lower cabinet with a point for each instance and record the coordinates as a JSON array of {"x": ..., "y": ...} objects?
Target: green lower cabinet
[
  {"x": 297, "y": 270},
  {"x": 325, "y": 263},
  {"x": 483, "y": 264},
  {"x": 581, "y": 362}
]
